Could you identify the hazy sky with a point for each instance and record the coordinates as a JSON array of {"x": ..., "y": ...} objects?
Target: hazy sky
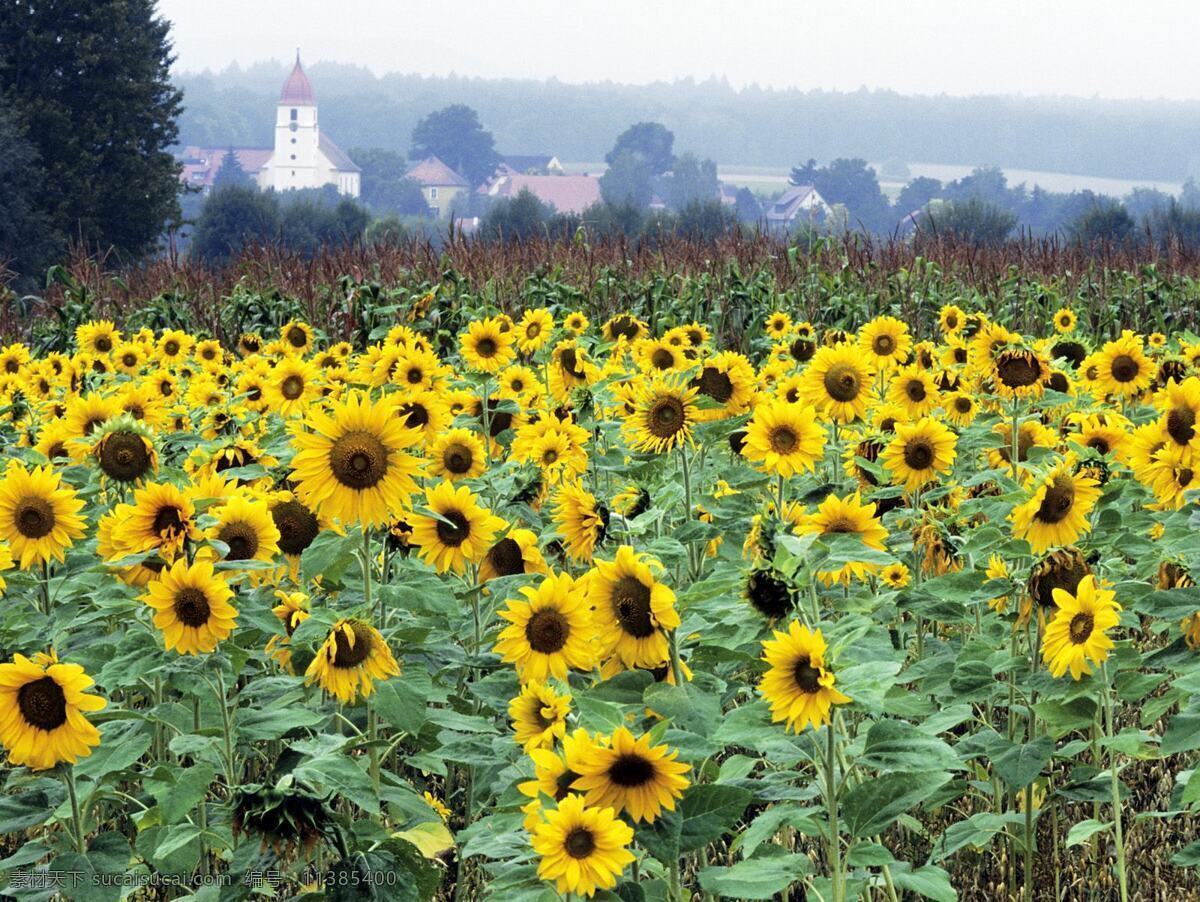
[{"x": 1107, "y": 48}]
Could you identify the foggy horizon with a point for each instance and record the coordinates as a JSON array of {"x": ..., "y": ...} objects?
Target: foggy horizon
[{"x": 934, "y": 49}]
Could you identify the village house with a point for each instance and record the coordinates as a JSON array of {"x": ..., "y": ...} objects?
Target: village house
[
  {"x": 800, "y": 204},
  {"x": 565, "y": 193},
  {"x": 440, "y": 185}
]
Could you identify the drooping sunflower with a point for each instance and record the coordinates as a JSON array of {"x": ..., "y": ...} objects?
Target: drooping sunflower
[
  {"x": 913, "y": 389},
  {"x": 461, "y": 533},
  {"x": 919, "y": 452},
  {"x": 39, "y": 514},
  {"x": 352, "y": 463},
  {"x": 1056, "y": 512},
  {"x": 631, "y": 775},
  {"x": 1122, "y": 367},
  {"x": 353, "y": 657},
  {"x": 579, "y": 519},
  {"x": 161, "y": 517},
  {"x": 726, "y": 379},
  {"x": 511, "y": 555},
  {"x": 769, "y": 592},
  {"x": 837, "y": 516},
  {"x": 664, "y": 413},
  {"x": 626, "y": 326},
  {"x": 457, "y": 454},
  {"x": 1077, "y": 637},
  {"x": 796, "y": 685},
  {"x": 125, "y": 450},
  {"x": 838, "y": 383},
  {"x": 632, "y": 608},
  {"x": 192, "y": 609},
  {"x": 784, "y": 439},
  {"x": 42, "y": 708},
  {"x": 539, "y": 715},
  {"x": 247, "y": 527},
  {"x": 486, "y": 347},
  {"x": 885, "y": 341},
  {"x": 534, "y": 329},
  {"x": 291, "y": 611},
  {"x": 1018, "y": 371},
  {"x": 582, "y": 849},
  {"x": 550, "y": 630}
]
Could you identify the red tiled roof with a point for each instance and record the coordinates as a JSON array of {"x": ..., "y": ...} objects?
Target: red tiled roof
[
  {"x": 297, "y": 91},
  {"x": 432, "y": 172},
  {"x": 200, "y": 164},
  {"x": 566, "y": 193}
]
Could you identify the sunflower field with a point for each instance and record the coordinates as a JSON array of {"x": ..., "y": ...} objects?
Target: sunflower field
[{"x": 548, "y": 605}]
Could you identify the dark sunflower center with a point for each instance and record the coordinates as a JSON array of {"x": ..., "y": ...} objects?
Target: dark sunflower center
[
  {"x": 842, "y": 383},
  {"x": 770, "y": 596},
  {"x": 358, "y": 460},
  {"x": 1098, "y": 443},
  {"x": 417, "y": 415},
  {"x": 547, "y": 631},
  {"x": 292, "y": 388},
  {"x": 802, "y": 349},
  {"x": 191, "y": 607},
  {"x": 808, "y": 678},
  {"x": 506, "y": 558},
  {"x": 884, "y": 345},
  {"x": 171, "y": 348},
  {"x": 915, "y": 390},
  {"x": 569, "y": 361},
  {"x": 297, "y": 337},
  {"x": 346, "y": 655},
  {"x": 43, "y": 704},
  {"x": 1058, "y": 382},
  {"x": 624, "y": 326},
  {"x": 103, "y": 344},
  {"x": 662, "y": 359},
  {"x": 486, "y": 347},
  {"x": 1081, "y": 628},
  {"x": 124, "y": 457},
  {"x": 631, "y": 605},
  {"x": 1059, "y": 500},
  {"x": 454, "y": 532},
  {"x": 1061, "y": 570},
  {"x": 12, "y": 366},
  {"x": 458, "y": 459},
  {"x": 1125, "y": 368},
  {"x": 580, "y": 843},
  {"x": 666, "y": 417},
  {"x": 1018, "y": 369},
  {"x": 1181, "y": 424},
  {"x": 963, "y": 405},
  {"x": 631, "y": 770},
  {"x": 533, "y": 329},
  {"x": 1185, "y": 477},
  {"x": 715, "y": 384},
  {"x": 241, "y": 539},
  {"x": 918, "y": 455},
  {"x": 34, "y": 517},
  {"x": 783, "y": 439}
]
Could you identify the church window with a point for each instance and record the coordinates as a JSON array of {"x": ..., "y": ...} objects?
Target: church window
[
  {"x": 293, "y": 156},
  {"x": 433, "y": 193},
  {"x": 294, "y": 114}
]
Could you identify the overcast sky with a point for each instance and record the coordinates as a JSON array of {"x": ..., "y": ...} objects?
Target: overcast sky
[{"x": 1106, "y": 48}]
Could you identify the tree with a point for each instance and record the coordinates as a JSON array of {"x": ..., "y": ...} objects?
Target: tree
[
  {"x": 385, "y": 189},
  {"x": 455, "y": 136},
  {"x": 706, "y": 220},
  {"x": 607, "y": 220},
  {"x": 649, "y": 142},
  {"x": 805, "y": 174},
  {"x": 628, "y": 180},
  {"x": 747, "y": 206},
  {"x": 230, "y": 172},
  {"x": 1189, "y": 197},
  {"x": 516, "y": 219},
  {"x": 975, "y": 221},
  {"x": 853, "y": 183},
  {"x": 691, "y": 181},
  {"x": 1107, "y": 221},
  {"x": 1142, "y": 203},
  {"x": 895, "y": 169},
  {"x": 916, "y": 194},
  {"x": 26, "y": 242},
  {"x": 91, "y": 84},
  {"x": 232, "y": 219}
]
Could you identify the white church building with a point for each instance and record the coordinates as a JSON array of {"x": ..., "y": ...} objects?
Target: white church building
[{"x": 303, "y": 157}]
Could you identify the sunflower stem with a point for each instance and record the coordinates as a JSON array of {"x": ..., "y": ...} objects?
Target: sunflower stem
[
  {"x": 76, "y": 817},
  {"x": 835, "y": 844},
  {"x": 372, "y": 724},
  {"x": 1118, "y": 835},
  {"x": 1015, "y": 440}
]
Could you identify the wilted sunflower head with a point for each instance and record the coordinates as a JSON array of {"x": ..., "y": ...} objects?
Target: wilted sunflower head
[
  {"x": 284, "y": 817},
  {"x": 1019, "y": 371},
  {"x": 1061, "y": 569},
  {"x": 770, "y": 593}
]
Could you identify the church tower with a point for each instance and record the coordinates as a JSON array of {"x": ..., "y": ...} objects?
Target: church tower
[{"x": 297, "y": 161}]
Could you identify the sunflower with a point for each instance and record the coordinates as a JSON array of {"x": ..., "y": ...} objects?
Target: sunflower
[
  {"x": 1064, "y": 321},
  {"x": 39, "y": 514},
  {"x": 918, "y": 453},
  {"x": 351, "y": 463},
  {"x": 582, "y": 849},
  {"x": 1102, "y": 433},
  {"x": 664, "y": 414},
  {"x": 631, "y": 775},
  {"x": 579, "y": 519},
  {"x": 837, "y": 516},
  {"x": 97, "y": 337},
  {"x": 769, "y": 592},
  {"x": 1078, "y": 633},
  {"x": 291, "y": 386},
  {"x": 1056, "y": 512},
  {"x": 1173, "y": 473},
  {"x": 624, "y": 326},
  {"x": 534, "y": 330},
  {"x": 247, "y": 528},
  {"x": 796, "y": 685},
  {"x": 1019, "y": 372},
  {"x": 511, "y": 555},
  {"x": 1030, "y": 434},
  {"x": 726, "y": 379},
  {"x": 485, "y": 346},
  {"x": 161, "y": 517},
  {"x": 422, "y": 410},
  {"x": 1181, "y": 413},
  {"x": 460, "y": 533},
  {"x": 351, "y": 659},
  {"x": 191, "y": 603},
  {"x": 569, "y": 369},
  {"x": 87, "y": 413},
  {"x": 457, "y": 454},
  {"x": 895, "y": 576},
  {"x": 631, "y": 608},
  {"x": 885, "y": 341},
  {"x": 42, "y": 708},
  {"x": 125, "y": 451},
  {"x": 576, "y": 322},
  {"x": 291, "y": 611},
  {"x": 784, "y": 439},
  {"x": 539, "y": 715},
  {"x": 173, "y": 346},
  {"x": 657, "y": 355},
  {"x": 6, "y": 563},
  {"x": 914, "y": 389},
  {"x": 951, "y": 319},
  {"x": 296, "y": 337},
  {"x": 778, "y": 325},
  {"x": 960, "y": 408},
  {"x": 550, "y": 631},
  {"x": 838, "y": 383},
  {"x": 1122, "y": 368},
  {"x": 416, "y": 368},
  {"x": 997, "y": 568}
]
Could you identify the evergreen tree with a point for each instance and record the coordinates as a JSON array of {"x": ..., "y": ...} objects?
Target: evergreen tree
[
  {"x": 91, "y": 85},
  {"x": 230, "y": 172},
  {"x": 25, "y": 239}
]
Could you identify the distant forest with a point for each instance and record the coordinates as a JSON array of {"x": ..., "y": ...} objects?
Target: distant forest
[{"x": 753, "y": 126}]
